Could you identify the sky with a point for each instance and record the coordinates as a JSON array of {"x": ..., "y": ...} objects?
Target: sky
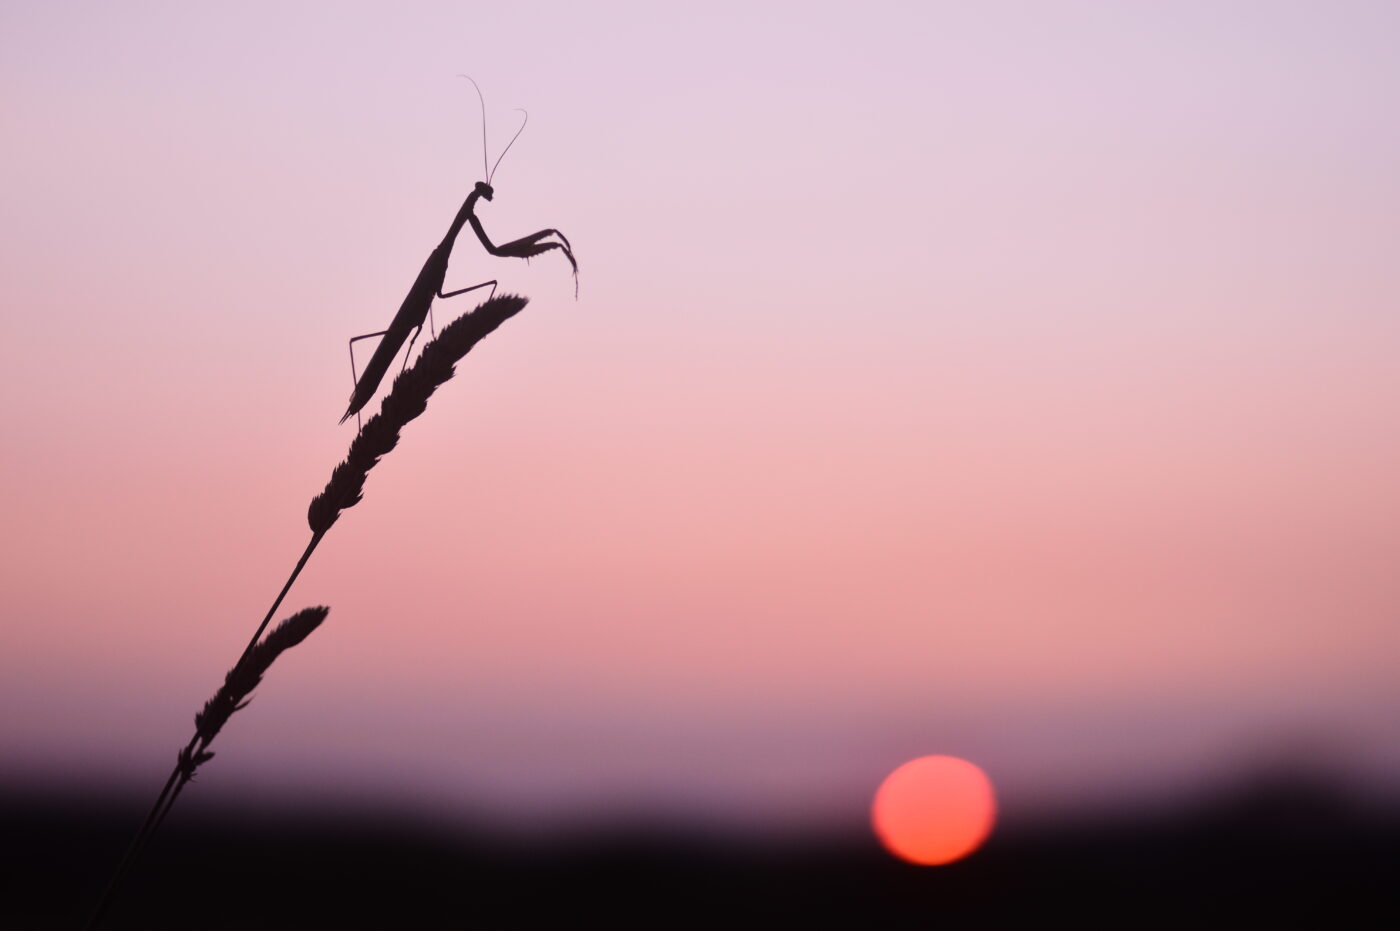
[{"x": 1011, "y": 381}]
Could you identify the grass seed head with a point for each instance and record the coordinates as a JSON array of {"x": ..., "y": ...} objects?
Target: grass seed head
[
  {"x": 406, "y": 400},
  {"x": 246, "y": 676}
]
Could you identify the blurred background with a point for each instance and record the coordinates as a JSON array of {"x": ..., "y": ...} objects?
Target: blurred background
[{"x": 1012, "y": 381}]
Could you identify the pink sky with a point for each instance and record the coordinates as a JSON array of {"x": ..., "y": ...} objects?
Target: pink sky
[{"x": 1013, "y": 381}]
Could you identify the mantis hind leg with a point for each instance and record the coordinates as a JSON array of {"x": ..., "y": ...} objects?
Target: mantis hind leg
[
  {"x": 354, "y": 373},
  {"x": 445, "y": 296},
  {"x": 492, "y": 283}
]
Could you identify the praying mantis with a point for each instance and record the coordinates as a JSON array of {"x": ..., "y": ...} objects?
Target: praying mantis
[{"x": 418, "y": 304}]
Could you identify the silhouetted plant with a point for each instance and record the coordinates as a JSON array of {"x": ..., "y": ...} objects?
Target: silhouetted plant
[
  {"x": 406, "y": 400},
  {"x": 242, "y": 679}
]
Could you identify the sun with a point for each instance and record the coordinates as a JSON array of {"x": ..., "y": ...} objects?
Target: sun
[{"x": 934, "y": 810}]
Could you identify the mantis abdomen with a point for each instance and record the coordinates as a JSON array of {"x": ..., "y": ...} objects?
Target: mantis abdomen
[{"x": 412, "y": 312}]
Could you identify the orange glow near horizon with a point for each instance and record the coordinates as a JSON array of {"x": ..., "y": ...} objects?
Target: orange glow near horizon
[{"x": 934, "y": 810}]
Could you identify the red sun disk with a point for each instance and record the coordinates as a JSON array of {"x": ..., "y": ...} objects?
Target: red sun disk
[{"x": 934, "y": 810}]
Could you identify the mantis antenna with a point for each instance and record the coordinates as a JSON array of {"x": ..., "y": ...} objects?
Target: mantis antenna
[
  {"x": 492, "y": 174},
  {"x": 483, "y": 127}
]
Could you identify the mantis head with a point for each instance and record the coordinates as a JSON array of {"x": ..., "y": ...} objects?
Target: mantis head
[{"x": 485, "y": 190}]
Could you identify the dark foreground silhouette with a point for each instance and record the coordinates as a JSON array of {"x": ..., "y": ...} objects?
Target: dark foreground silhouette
[{"x": 1282, "y": 852}]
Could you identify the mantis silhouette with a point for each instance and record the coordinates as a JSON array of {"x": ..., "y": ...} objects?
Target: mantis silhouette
[{"x": 417, "y": 306}]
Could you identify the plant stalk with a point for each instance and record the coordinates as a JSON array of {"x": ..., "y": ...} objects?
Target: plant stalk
[{"x": 181, "y": 774}]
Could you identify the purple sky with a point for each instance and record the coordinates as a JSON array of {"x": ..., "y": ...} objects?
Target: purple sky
[{"x": 1012, "y": 381}]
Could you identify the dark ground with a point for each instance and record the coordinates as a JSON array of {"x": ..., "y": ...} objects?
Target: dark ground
[{"x": 1286, "y": 854}]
